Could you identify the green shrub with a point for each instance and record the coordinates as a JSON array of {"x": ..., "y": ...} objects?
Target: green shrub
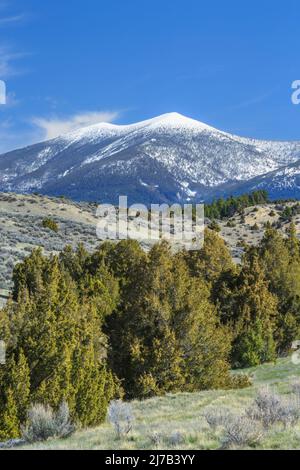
[
  {"x": 241, "y": 381},
  {"x": 50, "y": 224},
  {"x": 214, "y": 226},
  {"x": 230, "y": 224}
]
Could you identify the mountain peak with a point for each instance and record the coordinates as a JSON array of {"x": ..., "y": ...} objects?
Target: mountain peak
[
  {"x": 165, "y": 122},
  {"x": 174, "y": 120},
  {"x": 171, "y": 117}
]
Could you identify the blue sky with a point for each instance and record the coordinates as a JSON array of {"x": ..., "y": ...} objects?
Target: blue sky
[{"x": 69, "y": 63}]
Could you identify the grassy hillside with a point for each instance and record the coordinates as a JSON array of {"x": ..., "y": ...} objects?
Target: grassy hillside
[
  {"x": 21, "y": 228},
  {"x": 22, "y": 216},
  {"x": 159, "y": 418}
]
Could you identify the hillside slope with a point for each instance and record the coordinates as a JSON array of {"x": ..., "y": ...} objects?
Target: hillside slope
[
  {"x": 160, "y": 418},
  {"x": 21, "y": 228}
]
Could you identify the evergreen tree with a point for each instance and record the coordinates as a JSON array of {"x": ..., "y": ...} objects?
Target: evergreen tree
[
  {"x": 52, "y": 320},
  {"x": 169, "y": 338},
  {"x": 256, "y": 309},
  {"x": 213, "y": 259},
  {"x": 280, "y": 260},
  {"x": 20, "y": 385},
  {"x": 9, "y": 422}
]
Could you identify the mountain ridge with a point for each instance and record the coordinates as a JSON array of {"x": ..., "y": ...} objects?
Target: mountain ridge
[{"x": 169, "y": 158}]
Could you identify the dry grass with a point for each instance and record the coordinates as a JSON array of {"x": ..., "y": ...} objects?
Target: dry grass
[
  {"x": 178, "y": 421},
  {"x": 21, "y": 228}
]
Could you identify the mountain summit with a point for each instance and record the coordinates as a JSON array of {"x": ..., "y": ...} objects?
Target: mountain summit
[{"x": 170, "y": 158}]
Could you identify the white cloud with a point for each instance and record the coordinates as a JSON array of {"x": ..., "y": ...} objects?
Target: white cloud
[
  {"x": 54, "y": 127},
  {"x": 15, "y": 134}
]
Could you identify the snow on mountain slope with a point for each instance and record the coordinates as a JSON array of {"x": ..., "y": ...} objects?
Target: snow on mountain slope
[
  {"x": 281, "y": 183},
  {"x": 166, "y": 159}
]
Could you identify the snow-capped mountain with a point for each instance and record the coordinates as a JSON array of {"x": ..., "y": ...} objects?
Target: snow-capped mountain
[{"x": 170, "y": 158}]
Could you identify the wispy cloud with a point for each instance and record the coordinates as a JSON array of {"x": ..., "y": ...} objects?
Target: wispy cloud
[
  {"x": 11, "y": 136},
  {"x": 8, "y": 55},
  {"x": 7, "y": 20},
  {"x": 15, "y": 134},
  {"x": 7, "y": 62},
  {"x": 254, "y": 100},
  {"x": 53, "y": 127}
]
